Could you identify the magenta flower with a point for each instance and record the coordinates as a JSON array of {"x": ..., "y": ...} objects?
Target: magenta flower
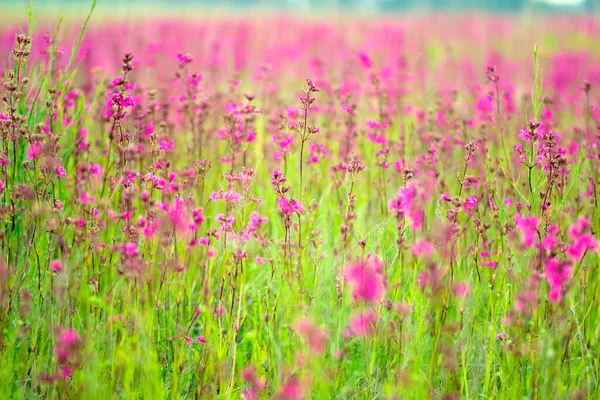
[
  {"x": 460, "y": 289},
  {"x": 422, "y": 248},
  {"x": 67, "y": 345},
  {"x": 362, "y": 324},
  {"x": 61, "y": 172},
  {"x": 581, "y": 240},
  {"x": 67, "y": 372},
  {"x": 558, "y": 273},
  {"x": 291, "y": 390},
  {"x": 289, "y": 207},
  {"x": 470, "y": 204},
  {"x": 527, "y": 226},
  {"x": 366, "y": 279},
  {"x": 365, "y": 60},
  {"x": 255, "y": 223},
  {"x": 56, "y": 266},
  {"x": 407, "y": 204},
  {"x": 313, "y": 335},
  {"x": 34, "y": 150}
]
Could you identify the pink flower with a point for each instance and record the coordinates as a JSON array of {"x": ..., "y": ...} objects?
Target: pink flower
[
  {"x": 289, "y": 207},
  {"x": 165, "y": 143},
  {"x": 422, "y": 247},
  {"x": 177, "y": 214},
  {"x": 367, "y": 279},
  {"x": 56, "y": 266},
  {"x": 85, "y": 198},
  {"x": 254, "y": 383},
  {"x": 550, "y": 241},
  {"x": 408, "y": 204},
  {"x": 291, "y": 390},
  {"x": 362, "y": 324},
  {"x": 527, "y": 226},
  {"x": 255, "y": 223},
  {"x": 67, "y": 372},
  {"x": 422, "y": 279},
  {"x": 557, "y": 274},
  {"x": 365, "y": 60},
  {"x": 314, "y": 336},
  {"x": 130, "y": 249},
  {"x": 460, "y": 290},
  {"x": 61, "y": 172},
  {"x": 470, "y": 203},
  {"x": 198, "y": 217},
  {"x": 183, "y": 59},
  {"x": 226, "y": 221},
  {"x": 581, "y": 240},
  {"x": 34, "y": 150},
  {"x": 67, "y": 345},
  {"x": 69, "y": 337}
]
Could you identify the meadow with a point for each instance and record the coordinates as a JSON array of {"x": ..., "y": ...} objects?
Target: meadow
[{"x": 299, "y": 207}]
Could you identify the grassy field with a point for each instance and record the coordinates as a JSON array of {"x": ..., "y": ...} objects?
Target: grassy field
[{"x": 270, "y": 206}]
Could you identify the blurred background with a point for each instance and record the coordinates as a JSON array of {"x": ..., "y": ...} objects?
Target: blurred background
[{"x": 344, "y": 6}]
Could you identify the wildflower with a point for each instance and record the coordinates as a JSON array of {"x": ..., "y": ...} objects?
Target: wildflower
[
  {"x": 255, "y": 223},
  {"x": 254, "y": 384},
  {"x": 470, "y": 203},
  {"x": 314, "y": 336},
  {"x": 581, "y": 241},
  {"x": 183, "y": 59},
  {"x": 226, "y": 221},
  {"x": 460, "y": 289},
  {"x": 86, "y": 199},
  {"x": 289, "y": 207},
  {"x": 406, "y": 204},
  {"x": 34, "y": 150},
  {"x": 199, "y": 339},
  {"x": 362, "y": 324},
  {"x": 558, "y": 273},
  {"x": 228, "y": 196},
  {"x": 130, "y": 249},
  {"x": 56, "y": 266},
  {"x": 67, "y": 372},
  {"x": 366, "y": 279},
  {"x": 422, "y": 248},
  {"x": 550, "y": 241},
  {"x": 67, "y": 345},
  {"x": 291, "y": 390},
  {"x": 61, "y": 172},
  {"x": 527, "y": 226},
  {"x": 198, "y": 217},
  {"x": 365, "y": 60}
]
